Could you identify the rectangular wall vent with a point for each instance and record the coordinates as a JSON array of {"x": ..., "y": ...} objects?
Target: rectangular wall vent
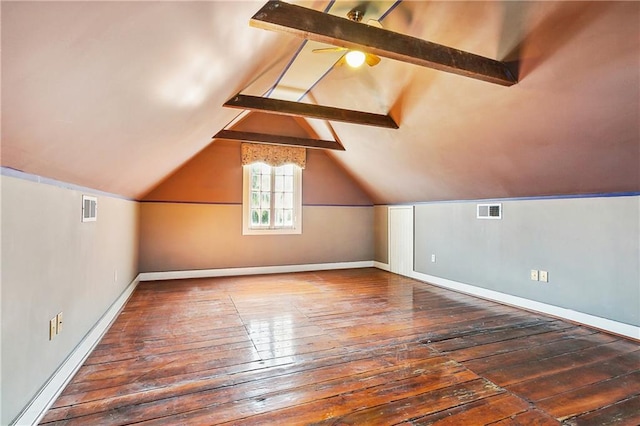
[
  {"x": 489, "y": 211},
  {"x": 89, "y": 208}
]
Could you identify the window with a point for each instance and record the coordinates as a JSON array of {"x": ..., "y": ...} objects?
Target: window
[{"x": 272, "y": 199}]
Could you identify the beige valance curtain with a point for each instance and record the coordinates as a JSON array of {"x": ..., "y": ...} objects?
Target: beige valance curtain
[{"x": 273, "y": 155}]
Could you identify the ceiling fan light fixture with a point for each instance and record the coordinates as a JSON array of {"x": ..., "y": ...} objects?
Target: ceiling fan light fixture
[{"x": 355, "y": 58}]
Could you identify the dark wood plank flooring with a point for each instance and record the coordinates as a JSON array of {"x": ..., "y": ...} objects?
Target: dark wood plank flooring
[{"x": 349, "y": 347}]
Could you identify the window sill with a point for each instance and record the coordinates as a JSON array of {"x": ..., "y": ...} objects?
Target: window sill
[{"x": 288, "y": 231}]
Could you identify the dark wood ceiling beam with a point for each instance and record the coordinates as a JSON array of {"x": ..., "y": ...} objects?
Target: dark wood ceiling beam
[
  {"x": 277, "y": 139},
  {"x": 278, "y": 106},
  {"x": 326, "y": 28}
]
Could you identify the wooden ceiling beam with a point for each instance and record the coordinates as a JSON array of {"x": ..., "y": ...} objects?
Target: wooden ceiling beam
[
  {"x": 277, "y": 139},
  {"x": 326, "y": 28},
  {"x": 278, "y": 106}
]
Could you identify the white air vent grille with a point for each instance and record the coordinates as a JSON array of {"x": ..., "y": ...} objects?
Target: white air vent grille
[
  {"x": 89, "y": 208},
  {"x": 489, "y": 211}
]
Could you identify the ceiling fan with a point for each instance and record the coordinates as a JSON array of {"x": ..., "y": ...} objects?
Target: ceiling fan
[{"x": 355, "y": 58}]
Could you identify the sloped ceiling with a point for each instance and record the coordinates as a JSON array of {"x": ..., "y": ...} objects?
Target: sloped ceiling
[{"x": 117, "y": 96}]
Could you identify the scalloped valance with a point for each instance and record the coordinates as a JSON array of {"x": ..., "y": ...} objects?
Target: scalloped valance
[{"x": 273, "y": 155}]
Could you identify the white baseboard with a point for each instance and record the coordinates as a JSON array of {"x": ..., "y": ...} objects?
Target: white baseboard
[
  {"x": 380, "y": 265},
  {"x": 39, "y": 405},
  {"x": 257, "y": 270},
  {"x": 615, "y": 327}
]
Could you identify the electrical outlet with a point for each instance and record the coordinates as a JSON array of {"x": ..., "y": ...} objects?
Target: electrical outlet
[
  {"x": 534, "y": 275},
  {"x": 544, "y": 277},
  {"x": 433, "y": 258},
  {"x": 59, "y": 323},
  {"x": 53, "y": 327}
]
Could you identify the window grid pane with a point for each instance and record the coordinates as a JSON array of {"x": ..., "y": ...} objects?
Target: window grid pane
[
  {"x": 255, "y": 199},
  {"x": 265, "y": 200},
  {"x": 279, "y": 218}
]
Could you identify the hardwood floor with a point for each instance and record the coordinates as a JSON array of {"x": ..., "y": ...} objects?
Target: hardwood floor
[{"x": 349, "y": 347}]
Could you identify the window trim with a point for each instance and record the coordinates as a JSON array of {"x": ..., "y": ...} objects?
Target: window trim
[{"x": 246, "y": 205}]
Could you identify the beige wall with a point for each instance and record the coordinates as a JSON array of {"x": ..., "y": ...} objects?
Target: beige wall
[
  {"x": 52, "y": 262},
  {"x": 212, "y": 176},
  {"x": 193, "y": 220},
  {"x": 325, "y": 182},
  {"x": 215, "y": 176},
  {"x": 179, "y": 236},
  {"x": 381, "y": 233},
  {"x": 589, "y": 246}
]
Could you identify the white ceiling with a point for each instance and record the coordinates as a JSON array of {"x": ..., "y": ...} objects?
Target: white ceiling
[{"x": 117, "y": 95}]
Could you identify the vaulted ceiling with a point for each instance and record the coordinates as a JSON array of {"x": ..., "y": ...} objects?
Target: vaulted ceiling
[{"x": 118, "y": 95}]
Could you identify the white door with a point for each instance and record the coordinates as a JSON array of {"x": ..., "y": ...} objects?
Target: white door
[{"x": 401, "y": 240}]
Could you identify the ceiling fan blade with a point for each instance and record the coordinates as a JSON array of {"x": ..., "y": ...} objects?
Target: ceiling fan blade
[
  {"x": 329, "y": 49},
  {"x": 371, "y": 59}
]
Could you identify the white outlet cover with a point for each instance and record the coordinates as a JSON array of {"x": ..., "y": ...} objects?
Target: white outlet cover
[
  {"x": 53, "y": 327},
  {"x": 534, "y": 275},
  {"x": 433, "y": 257},
  {"x": 544, "y": 277},
  {"x": 59, "y": 323}
]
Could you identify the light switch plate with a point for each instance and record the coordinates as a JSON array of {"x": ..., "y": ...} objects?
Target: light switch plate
[
  {"x": 53, "y": 327},
  {"x": 534, "y": 275},
  {"x": 59, "y": 323},
  {"x": 544, "y": 277}
]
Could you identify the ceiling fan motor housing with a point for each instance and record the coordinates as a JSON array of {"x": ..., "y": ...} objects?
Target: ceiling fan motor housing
[{"x": 355, "y": 15}]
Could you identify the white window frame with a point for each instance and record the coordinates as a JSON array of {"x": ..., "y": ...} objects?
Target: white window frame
[{"x": 246, "y": 206}]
